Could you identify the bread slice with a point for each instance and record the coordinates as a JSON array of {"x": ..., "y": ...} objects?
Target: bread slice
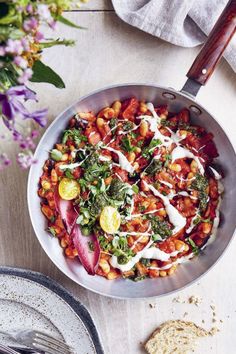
[{"x": 175, "y": 337}]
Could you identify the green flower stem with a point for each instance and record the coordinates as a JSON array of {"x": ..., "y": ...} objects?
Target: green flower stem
[{"x": 66, "y": 42}]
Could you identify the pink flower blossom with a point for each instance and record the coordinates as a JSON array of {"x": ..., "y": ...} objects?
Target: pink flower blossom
[
  {"x": 25, "y": 44},
  {"x": 21, "y": 62},
  {"x": 25, "y": 159},
  {"x": 27, "y": 74},
  {"x": 2, "y": 51},
  {"x": 14, "y": 47},
  {"x": 29, "y": 9},
  {"x": 30, "y": 24},
  {"x": 4, "y": 161},
  {"x": 44, "y": 12},
  {"x": 38, "y": 36}
]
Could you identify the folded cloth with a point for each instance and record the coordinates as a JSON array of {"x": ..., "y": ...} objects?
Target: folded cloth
[{"x": 182, "y": 22}]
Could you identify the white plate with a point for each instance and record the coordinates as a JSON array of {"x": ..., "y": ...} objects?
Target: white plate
[{"x": 29, "y": 300}]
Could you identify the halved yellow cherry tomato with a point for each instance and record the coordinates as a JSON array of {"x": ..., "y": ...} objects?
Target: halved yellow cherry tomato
[
  {"x": 110, "y": 219},
  {"x": 68, "y": 189}
]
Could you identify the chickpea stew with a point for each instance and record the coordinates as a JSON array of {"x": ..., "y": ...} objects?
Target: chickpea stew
[{"x": 130, "y": 191}]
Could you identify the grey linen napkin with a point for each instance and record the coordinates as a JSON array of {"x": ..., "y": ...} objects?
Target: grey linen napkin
[{"x": 181, "y": 22}]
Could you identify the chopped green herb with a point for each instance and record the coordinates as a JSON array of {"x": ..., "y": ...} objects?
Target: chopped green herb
[
  {"x": 200, "y": 184},
  {"x": 121, "y": 250},
  {"x": 193, "y": 245},
  {"x": 68, "y": 174},
  {"x": 52, "y": 231},
  {"x": 104, "y": 243},
  {"x": 139, "y": 278},
  {"x": 154, "y": 167},
  {"x": 113, "y": 124},
  {"x": 135, "y": 188},
  {"x": 146, "y": 262},
  {"x": 127, "y": 125},
  {"x": 117, "y": 189},
  {"x": 126, "y": 144},
  {"x": 168, "y": 158},
  {"x": 75, "y": 135},
  {"x": 160, "y": 227},
  {"x": 197, "y": 220},
  {"x": 147, "y": 151},
  {"x": 156, "y": 238},
  {"x": 85, "y": 230}
]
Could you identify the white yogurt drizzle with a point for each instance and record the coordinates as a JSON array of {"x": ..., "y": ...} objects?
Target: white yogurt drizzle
[
  {"x": 147, "y": 252},
  {"x": 181, "y": 153},
  {"x": 123, "y": 162},
  {"x": 178, "y": 220},
  {"x": 178, "y": 261}
]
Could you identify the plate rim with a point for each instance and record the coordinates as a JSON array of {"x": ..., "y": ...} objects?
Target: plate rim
[{"x": 64, "y": 294}]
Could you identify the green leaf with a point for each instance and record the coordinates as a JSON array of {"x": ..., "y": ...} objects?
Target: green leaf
[
  {"x": 67, "y": 22},
  {"x": 43, "y": 73},
  {"x": 10, "y": 32}
]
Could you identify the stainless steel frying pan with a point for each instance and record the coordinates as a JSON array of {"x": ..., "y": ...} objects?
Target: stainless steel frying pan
[{"x": 197, "y": 76}]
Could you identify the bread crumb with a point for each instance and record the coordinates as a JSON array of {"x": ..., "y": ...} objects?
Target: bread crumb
[
  {"x": 152, "y": 306},
  {"x": 196, "y": 300}
]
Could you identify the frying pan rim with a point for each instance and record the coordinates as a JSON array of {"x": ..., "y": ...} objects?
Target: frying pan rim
[{"x": 54, "y": 122}]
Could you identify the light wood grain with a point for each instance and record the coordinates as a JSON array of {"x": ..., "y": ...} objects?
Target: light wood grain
[{"x": 112, "y": 52}]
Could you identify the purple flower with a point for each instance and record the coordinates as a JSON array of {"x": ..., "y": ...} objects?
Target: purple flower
[
  {"x": 44, "y": 12},
  {"x": 38, "y": 36},
  {"x": 21, "y": 62},
  {"x": 4, "y": 161},
  {"x": 30, "y": 24},
  {"x": 14, "y": 47},
  {"x": 2, "y": 51},
  {"x": 12, "y": 106},
  {"x": 29, "y": 9},
  {"x": 25, "y": 44},
  {"x": 25, "y": 159},
  {"x": 27, "y": 74}
]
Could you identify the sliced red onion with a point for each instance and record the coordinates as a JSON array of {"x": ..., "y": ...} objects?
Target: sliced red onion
[
  {"x": 66, "y": 209},
  {"x": 88, "y": 249}
]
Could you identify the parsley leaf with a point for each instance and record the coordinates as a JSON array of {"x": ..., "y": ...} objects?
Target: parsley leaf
[
  {"x": 126, "y": 144},
  {"x": 147, "y": 151},
  {"x": 160, "y": 227},
  {"x": 200, "y": 184}
]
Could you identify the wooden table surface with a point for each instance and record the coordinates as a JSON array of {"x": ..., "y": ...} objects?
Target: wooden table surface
[{"x": 112, "y": 52}]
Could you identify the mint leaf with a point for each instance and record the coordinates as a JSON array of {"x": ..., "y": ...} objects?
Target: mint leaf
[{"x": 43, "y": 73}]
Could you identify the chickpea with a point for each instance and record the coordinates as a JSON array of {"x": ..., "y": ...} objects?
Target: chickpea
[
  {"x": 131, "y": 157},
  {"x": 143, "y": 128},
  {"x": 112, "y": 275},
  {"x": 136, "y": 166},
  {"x": 137, "y": 150},
  {"x": 64, "y": 157},
  {"x": 175, "y": 167},
  {"x": 172, "y": 270},
  {"x": 116, "y": 106},
  {"x": 104, "y": 265},
  {"x": 54, "y": 177},
  {"x": 179, "y": 245},
  {"x": 63, "y": 242},
  {"x": 206, "y": 227},
  {"x": 143, "y": 107},
  {"x": 46, "y": 185},
  {"x": 163, "y": 273},
  {"x": 162, "y": 212},
  {"x": 100, "y": 122}
]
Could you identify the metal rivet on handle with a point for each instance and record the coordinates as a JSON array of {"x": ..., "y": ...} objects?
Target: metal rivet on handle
[
  {"x": 195, "y": 110},
  {"x": 204, "y": 71},
  {"x": 169, "y": 95}
]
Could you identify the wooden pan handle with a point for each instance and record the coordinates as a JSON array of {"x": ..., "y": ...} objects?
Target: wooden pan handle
[{"x": 215, "y": 45}]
